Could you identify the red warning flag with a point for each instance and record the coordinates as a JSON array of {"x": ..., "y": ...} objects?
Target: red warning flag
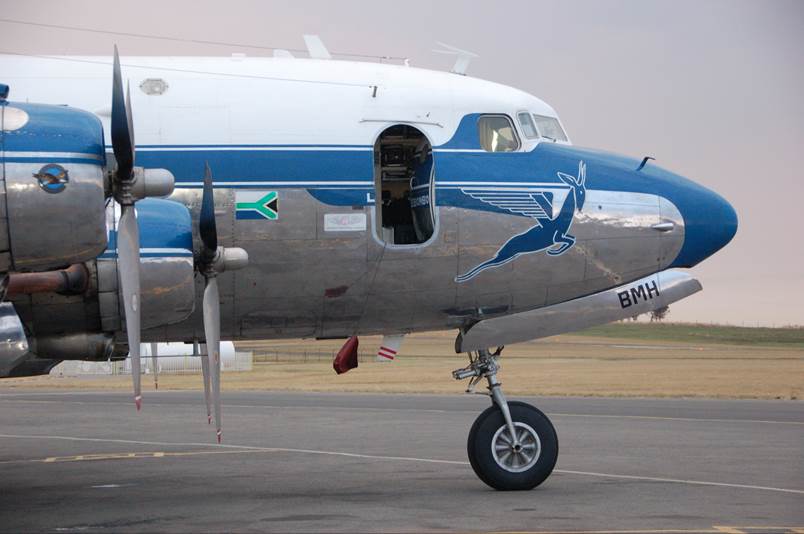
[{"x": 347, "y": 357}]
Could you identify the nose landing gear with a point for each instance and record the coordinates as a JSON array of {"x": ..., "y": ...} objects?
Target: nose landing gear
[{"x": 512, "y": 445}]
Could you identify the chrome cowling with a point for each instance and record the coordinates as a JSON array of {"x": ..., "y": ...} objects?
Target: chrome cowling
[
  {"x": 166, "y": 267},
  {"x": 52, "y": 210},
  {"x": 88, "y": 325}
]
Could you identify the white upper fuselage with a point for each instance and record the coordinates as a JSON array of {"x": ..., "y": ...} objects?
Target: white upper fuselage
[{"x": 268, "y": 101}]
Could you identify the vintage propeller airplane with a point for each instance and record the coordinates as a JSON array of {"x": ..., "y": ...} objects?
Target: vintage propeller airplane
[{"x": 324, "y": 199}]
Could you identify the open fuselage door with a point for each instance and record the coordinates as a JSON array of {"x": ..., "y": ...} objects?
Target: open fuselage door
[{"x": 404, "y": 181}]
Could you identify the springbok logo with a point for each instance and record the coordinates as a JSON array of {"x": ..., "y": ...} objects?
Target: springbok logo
[{"x": 551, "y": 233}]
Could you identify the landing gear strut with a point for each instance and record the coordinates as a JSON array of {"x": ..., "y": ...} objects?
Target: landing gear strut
[{"x": 512, "y": 445}]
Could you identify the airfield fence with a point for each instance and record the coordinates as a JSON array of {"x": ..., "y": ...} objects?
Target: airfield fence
[
  {"x": 304, "y": 356},
  {"x": 189, "y": 365},
  {"x": 264, "y": 356},
  {"x": 169, "y": 365},
  {"x": 178, "y": 365}
]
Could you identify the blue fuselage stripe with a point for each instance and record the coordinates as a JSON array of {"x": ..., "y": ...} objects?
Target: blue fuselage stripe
[
  {"x": 323, "y": 173},
  {"x": 260, "y": 166}
]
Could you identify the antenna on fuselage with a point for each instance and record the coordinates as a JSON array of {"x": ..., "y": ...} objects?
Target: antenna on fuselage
[
  {"x": 644, "y": 162},
  {"x": 315, "y": 47},
  {"x": 464, "y": 57}
]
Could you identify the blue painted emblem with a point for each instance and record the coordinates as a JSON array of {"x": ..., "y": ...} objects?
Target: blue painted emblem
[
  {"x": 53, "y": 178},
  {"x": 551, "y": 232}
]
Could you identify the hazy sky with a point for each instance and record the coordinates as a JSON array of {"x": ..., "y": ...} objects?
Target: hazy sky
[{"x": 713, "y": 90}]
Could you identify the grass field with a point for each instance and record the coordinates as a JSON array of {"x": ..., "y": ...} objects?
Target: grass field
[
  {"x": 698, "y": 333},
  {"x": 636, "y": 359}
]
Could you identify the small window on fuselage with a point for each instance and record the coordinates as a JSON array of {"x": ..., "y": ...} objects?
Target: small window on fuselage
[
  {"x": 549, "y": 128},
  {"x": 528, "y": 127},
  {"x": 497, "y": 134}
]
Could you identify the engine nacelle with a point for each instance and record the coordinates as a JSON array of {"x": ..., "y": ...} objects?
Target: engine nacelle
[
  {"x": 167, "y": 283},
  {"x": 52, "y": 210},
  {"x": 83, "y": 319}
]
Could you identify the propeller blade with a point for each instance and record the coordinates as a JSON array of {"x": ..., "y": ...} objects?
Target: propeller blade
[
  {"x": 128, "y": 267},
  {"x": 130, "y": 119},
  {"x": 205, "y": 373},
  {"x": 215, "y": 372},
  {"x": 212, "y": 325},
  {"x": 122, "y": 132},
  {"x": 155, "y": 365},
  {"x": 206, "y": 221}
]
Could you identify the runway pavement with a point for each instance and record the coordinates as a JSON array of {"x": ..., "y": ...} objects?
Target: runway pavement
[{"x": 302, "y": 462}]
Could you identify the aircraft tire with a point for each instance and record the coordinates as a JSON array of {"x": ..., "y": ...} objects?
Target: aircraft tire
[{"x": 515, "y": 471}]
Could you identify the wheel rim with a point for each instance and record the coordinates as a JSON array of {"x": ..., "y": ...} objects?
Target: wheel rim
[{"x": 516, "y": 459}]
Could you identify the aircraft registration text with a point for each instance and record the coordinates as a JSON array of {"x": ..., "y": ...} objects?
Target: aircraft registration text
[{"x": 643, "y": 292}]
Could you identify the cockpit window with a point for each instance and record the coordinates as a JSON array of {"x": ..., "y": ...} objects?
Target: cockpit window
[
  {"x": 528, "y": 128},
  {"x": 497, "y": 134},
  {"x": 549, "y": 128}
]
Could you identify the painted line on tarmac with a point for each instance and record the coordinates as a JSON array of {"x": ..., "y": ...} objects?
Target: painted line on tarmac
[
  {"x": 678, "y": 481},
  {"x": 59, "y": 393},
  {"x": 417, "y": 410},
  {"x": 238, "y": 447},
  {"x": 662, "y": 531},
  {"x": 405, "y": 459},
  {"x": 665, "y": 418},
  {"x": 136, "y": 455},
  {"x": 266, "y": 406},
  {"x": 713, "y": 530}
]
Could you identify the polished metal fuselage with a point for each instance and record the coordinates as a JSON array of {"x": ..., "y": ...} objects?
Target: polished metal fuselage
[{"x": 303, "y": 281}]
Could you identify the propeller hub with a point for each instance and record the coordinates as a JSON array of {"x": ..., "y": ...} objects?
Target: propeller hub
[
  {"x": 142, "y": 183},
  {"x": 152, "y": 183},
  {"x": 123, "y": 190},
  {"x": 230, "y": 259}
]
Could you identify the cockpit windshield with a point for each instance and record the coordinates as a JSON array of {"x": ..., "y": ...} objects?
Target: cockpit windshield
[
  {"x": 535, "y": 126},
  {"x": 528, "y": 127},
  {"x": 549, "y": 128}
]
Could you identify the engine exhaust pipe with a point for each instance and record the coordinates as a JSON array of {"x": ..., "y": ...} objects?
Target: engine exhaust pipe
[
  {"x": 73, "y": 280},
  {"x": 84, "y": 346}
]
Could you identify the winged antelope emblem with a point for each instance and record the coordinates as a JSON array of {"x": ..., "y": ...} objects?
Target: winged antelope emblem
[{"x": 551, "y": 231}]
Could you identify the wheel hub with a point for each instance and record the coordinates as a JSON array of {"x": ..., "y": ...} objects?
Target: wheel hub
[{"x": 518, "y": 454}]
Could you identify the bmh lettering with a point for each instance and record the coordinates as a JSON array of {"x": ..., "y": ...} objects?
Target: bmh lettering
[{"x": 642, "y": 292}]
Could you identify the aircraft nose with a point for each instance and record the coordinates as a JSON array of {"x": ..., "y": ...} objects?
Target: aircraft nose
[{"x": 710, "y": 222}]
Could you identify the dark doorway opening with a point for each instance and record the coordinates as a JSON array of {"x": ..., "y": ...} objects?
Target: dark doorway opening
[{"x": 403, "y": 173}]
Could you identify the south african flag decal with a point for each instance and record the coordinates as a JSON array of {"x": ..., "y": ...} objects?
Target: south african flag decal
[{"x": 256, "y": 205}]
